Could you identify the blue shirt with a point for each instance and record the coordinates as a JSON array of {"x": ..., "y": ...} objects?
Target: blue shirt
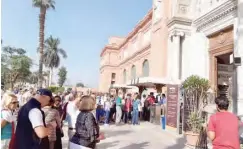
[
  {"x": 135, "y": 104},
  {"x": 163, "y": 101},
  {"x": 6, "y": 131}
]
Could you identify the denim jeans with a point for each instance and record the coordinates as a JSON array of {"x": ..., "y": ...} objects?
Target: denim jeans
[
  {"x": 135, "y": 117},
  {"x": 107, "y": 116}
]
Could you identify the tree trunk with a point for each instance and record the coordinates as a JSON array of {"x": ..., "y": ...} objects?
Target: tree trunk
[
  {"x": 42, "y": 18},
  {"x": 50, "y": 76}
]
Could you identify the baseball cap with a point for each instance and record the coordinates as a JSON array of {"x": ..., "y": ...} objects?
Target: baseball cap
[{"x": 45, "y": 92}]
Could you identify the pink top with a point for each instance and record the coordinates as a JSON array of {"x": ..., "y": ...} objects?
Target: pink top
[{"x": 226, "y": 128}]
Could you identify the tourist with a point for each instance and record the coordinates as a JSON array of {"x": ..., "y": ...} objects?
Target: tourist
[
  {"x": 113, "y": 108},
  {"x": 59, "y": 133},
  {"x": 107, "y": 111},
  {"x": 72, "y": 113},
  {"x": 118, "y": 109},
  {"x": 223, "y": 126},
  {"x": 9, "y": 104},
  {"x": 127, "y": 108},
  {"x": 31, "y": 131},
  {"x": 20, "y": 97},
  {"x": 52, "y": 116},
  {"x": 151, "y": 98},
  {"x": 87, "y": 129},
  {"x": 135, "y": 112},
  {"x": 162, "y": 103},
  {"x": 146, "y": 110}
]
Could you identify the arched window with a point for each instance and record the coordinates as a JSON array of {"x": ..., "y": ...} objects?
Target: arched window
[
  {"x": 124, "y": 76},
  {"x": 145, "y": 68},
  {"x": 133, "y": 72}
]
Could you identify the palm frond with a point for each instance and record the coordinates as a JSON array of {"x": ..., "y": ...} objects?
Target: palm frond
[
  {"x": 44, "y": 3},
  {"x": 62, "y": 52},
  {"x": 51, "y": 53}
]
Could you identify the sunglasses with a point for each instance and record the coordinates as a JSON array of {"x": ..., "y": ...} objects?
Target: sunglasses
[{"x": 15, "y": 102}]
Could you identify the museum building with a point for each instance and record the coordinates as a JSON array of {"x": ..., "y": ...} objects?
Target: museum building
[{"x": 177, "y": 39}]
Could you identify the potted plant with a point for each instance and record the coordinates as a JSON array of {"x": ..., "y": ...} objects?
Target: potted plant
[
  {"x": 195, "y": 100},
  {"x": 195, "y": 123}
]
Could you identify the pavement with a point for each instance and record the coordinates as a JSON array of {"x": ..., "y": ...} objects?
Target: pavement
[{"x": 143, "y": 136}]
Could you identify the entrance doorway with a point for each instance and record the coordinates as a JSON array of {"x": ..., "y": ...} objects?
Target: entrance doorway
[
  {"x": 224, "y": 74},
  {"x": 221, "y": 45}
]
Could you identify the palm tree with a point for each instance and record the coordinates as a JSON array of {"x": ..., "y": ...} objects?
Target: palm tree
[
  {"x": 51, "y": 56},
  {"x": 43, "y": 5}
]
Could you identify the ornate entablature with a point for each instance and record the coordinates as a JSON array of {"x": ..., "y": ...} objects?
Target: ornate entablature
[
  {"x": 219, "y": 18},
  {"x": 179, "y": 25}
]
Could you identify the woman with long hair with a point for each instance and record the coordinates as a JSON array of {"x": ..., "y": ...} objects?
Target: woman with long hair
[
  {"x": 87, "y": 132},
  {"x": 9, "y": 104}
]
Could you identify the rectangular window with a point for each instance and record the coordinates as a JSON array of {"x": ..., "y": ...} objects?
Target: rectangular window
[{"x": 113, "y": 75}]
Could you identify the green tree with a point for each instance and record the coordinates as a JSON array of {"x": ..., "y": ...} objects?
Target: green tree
[
  {"x": 51, "y": 56},
  {"x": 15, "y": 65},
  {"x": 62, "y": 76},
  {"x": 79, "y": 84},
  {"x": 43, "y": 5}
]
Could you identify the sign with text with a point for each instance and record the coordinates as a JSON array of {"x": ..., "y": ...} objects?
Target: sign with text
[{"x": 172, "y": 105}]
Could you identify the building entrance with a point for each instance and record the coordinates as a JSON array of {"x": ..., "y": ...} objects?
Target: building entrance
[{"x": 221, "y": 46}]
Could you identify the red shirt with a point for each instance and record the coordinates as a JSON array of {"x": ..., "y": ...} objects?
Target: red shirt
[
  {"x": 128, "y": 105},
  {"x": 151, "y": 100},
  {"x": 226, "y": 128}
]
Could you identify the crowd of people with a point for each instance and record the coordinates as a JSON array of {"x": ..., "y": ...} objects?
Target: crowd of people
[
  {"x": 34, "y": 119},
  {"x": 40, "y": 115},
  {"x": 130, "y": 108}
]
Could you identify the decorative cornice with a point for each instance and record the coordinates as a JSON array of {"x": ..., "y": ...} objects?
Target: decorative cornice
[
  {"x": 109, "y": 47},
  {"x": 133, "y": 56},
  {"x": 108, "y": 65},
  {"x": 145, "y": 22},
  {"x": 222, "y": 11},
  {"x": 180, "y": 21}
]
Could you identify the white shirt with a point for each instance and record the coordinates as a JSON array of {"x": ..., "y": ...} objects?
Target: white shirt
[
  {"x": 7, "y": 115},
  {"x": 142, "y": 101},
  {"x": 36, "y": 117},
  {"x": 107, "y": 106},
  {"x": 72, "y": 114}
]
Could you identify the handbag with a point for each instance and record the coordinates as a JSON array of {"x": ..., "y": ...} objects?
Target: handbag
[{"x": 11, "y": 144}]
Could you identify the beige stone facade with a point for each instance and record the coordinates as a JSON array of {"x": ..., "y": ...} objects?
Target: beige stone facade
[
  {"x": 176, "y": 39},
  {"x": 140, "y": 54}
]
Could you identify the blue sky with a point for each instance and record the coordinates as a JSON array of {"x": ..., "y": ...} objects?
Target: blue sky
[{"x": 83, "y": 27}]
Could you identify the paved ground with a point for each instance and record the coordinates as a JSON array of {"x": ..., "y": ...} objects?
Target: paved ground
[{"x": 144, "y": 136}]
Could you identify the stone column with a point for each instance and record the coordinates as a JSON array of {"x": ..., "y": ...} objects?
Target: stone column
[
  {"x": 238, "y": 52},
  {"x": 175, "y": 54}
]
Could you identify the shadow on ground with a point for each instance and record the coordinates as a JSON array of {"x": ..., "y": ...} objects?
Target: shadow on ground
[
  {"x": 180, "y": 144},
  {"x": 110, "y": 133},
  {"x": 107, "y": 145},
  {"x": 136, "y": 146}
]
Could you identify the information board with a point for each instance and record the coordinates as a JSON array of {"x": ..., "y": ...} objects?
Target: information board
[{"x": 172, "y": 105}]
